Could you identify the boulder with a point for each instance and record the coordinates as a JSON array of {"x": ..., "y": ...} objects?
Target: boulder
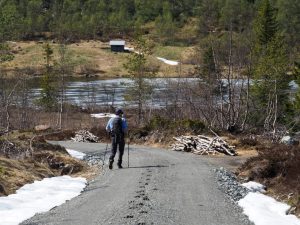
[{"x": 288, "y": 140}]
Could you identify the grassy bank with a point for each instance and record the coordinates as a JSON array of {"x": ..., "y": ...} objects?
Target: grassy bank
[{"x": 22, "y": 162}]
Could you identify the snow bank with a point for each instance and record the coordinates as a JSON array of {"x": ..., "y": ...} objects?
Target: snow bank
[
  {"x": 169, "y": 62},
  {"x": 264, "y": 210},
  {"x": 76, "y": 154},
  {"x": 38, "y": 197},
  {"x": 254, "y": 186},
  {"x": 103, "y": 115},
  {"x": 129, "y": 49}
]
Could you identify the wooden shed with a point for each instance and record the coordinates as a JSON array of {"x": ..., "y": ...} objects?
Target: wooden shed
[{"x": 117, "y": 45}]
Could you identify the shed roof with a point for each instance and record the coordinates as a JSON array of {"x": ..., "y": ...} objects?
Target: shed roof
[{"x": 117, "y": 42}]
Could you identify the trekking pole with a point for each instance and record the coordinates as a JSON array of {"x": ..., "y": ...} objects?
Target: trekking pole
[
  {"x": 105, "y": 154},
  {"x": 103, "y": 162},
  {"x": 128, "y": 150}
]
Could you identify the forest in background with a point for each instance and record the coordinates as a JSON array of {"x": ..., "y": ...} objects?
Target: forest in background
[
  {"x": 92, "y": 19},
  {"x": 254, "y": 41}
]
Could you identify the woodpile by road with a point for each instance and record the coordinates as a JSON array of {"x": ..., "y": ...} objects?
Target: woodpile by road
[
  {"x": 203, "y": 145},
  {"x": 84, "y": 136}
]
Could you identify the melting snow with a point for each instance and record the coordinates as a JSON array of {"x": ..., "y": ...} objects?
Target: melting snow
[
  {"x": 76, "y": 154},
  {"x": 38, "y": 197},
  {"x": 264, "y": 210},
  {"x": 103, "y": 115},
  {"x": 169, "y": 62},
  {"x": 254, "y": 186}
]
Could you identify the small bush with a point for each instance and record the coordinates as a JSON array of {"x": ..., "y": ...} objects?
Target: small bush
[
  {"x": 248, "y": 142},
  {"x": 277, "y": 161},
  {"x": 194, "y": 125},
  {"x": 158, "y": 122},
  {"x": 161, "y": 123}
]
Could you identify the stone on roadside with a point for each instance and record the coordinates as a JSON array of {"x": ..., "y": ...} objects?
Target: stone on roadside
[{"x": 288, "y": 140}]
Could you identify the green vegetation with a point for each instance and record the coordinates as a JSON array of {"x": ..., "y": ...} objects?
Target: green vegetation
[
  {"x": 136, "y": 67},
  {"x": 48, "y": 99},
  {"x": 169, "y": 52},
  {"x": 270, "y": 66},
  {"x": 217, "y": 41},
  {"x": 1, "y": 170},
  {"x": 162, "y": 123}
]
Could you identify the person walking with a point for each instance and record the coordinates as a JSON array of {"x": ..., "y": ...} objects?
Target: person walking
[{"x": 117, "y": 127}]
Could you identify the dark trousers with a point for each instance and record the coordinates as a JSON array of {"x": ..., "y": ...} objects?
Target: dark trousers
[{"x": 117, "y": 140}]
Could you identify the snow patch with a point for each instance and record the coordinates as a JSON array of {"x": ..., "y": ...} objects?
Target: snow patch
[
  {"x": 254, "y": 186},
  {"x": 103, "y": 115},
  {"x": 39, "y": 197},
  {"x": 129, "y": 49},
  {"x": 264, "y": 210},
  {"x": 76, "y": 154},
  {"x": 169, "y": 62}
]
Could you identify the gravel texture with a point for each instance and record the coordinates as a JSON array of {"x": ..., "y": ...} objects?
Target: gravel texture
[
  {"x": 160, "y": 188},
  {"x": 234, "y": 191},
  {"x": 229, "y": 184}
]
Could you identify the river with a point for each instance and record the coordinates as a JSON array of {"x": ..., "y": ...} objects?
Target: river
[{"x": 113, "y": 91}]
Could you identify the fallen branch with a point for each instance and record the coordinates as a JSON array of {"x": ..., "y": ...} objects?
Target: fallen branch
[{"x": 203, "y": 145}]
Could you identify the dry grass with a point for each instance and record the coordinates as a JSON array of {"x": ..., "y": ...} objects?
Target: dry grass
[
  {"x": 88, "y": 54},
  {"x": 42, "y": 163},
  {"x": 276, "y": 166},
  {"x": 93, "y": 58}
]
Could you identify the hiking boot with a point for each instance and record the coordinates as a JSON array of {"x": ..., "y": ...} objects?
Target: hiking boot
[
  {"x": 110, "y": 166},
  {"x": 120, "y": 166}
]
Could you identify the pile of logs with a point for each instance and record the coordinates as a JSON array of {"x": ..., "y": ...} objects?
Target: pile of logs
[
  {"x": 85, "y": 136},
  {"x": 202, "y": 145}
]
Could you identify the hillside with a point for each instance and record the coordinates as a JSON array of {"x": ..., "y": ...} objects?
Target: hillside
[{"x": 94, "y": 58}]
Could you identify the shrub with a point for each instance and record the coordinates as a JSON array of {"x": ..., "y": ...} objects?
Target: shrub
[
  {"x": 1, "y": 170},
  {"x": 158, "y": 122},
  {"x": 283, "y": 161},
  {"x": 248, "y": 142}
]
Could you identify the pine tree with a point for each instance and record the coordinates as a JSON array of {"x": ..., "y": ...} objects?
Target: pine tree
[
  {"x": 208, "y": 14},
  {"x": 266, "y": 25},
  {"x": 48, "y": 99},
  {"x": 270, "y": 68},
  {"x": 165, "y": 25},
  {"x": 136, "y": 67},
  {"x": 208, "y": 67}
]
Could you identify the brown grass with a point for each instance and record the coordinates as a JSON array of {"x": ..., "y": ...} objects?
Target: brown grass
[
  {"x": 45, "y": 161},
  {"x": 276, "y": 166},
  {"x": 93, "y": 58}
]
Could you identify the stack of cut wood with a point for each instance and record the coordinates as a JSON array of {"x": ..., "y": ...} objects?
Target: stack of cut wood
[
  {"x": 202, "y": 145},
  {"x": 85, "y": 136}
]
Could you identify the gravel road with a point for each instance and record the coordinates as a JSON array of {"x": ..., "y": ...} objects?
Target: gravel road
[{"x": 160, "y": 187}]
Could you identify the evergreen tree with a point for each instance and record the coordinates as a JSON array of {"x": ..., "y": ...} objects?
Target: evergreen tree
[
  {"x": 296, "y": 74},
  {"x": 9, "y": 22},
  {"x": 164, "y": 24},
  {"x": 208, "y": 68},
  {"x": 289, "y": 22},
  {"x": 208, "y": 13},
  {"x": 135, "y": 66},
  {"x": 270, "y": 67},
  {"x": 48, "y": 99}
]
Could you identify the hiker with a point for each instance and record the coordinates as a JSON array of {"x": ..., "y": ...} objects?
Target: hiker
[{"x": 117, "y": 127}]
